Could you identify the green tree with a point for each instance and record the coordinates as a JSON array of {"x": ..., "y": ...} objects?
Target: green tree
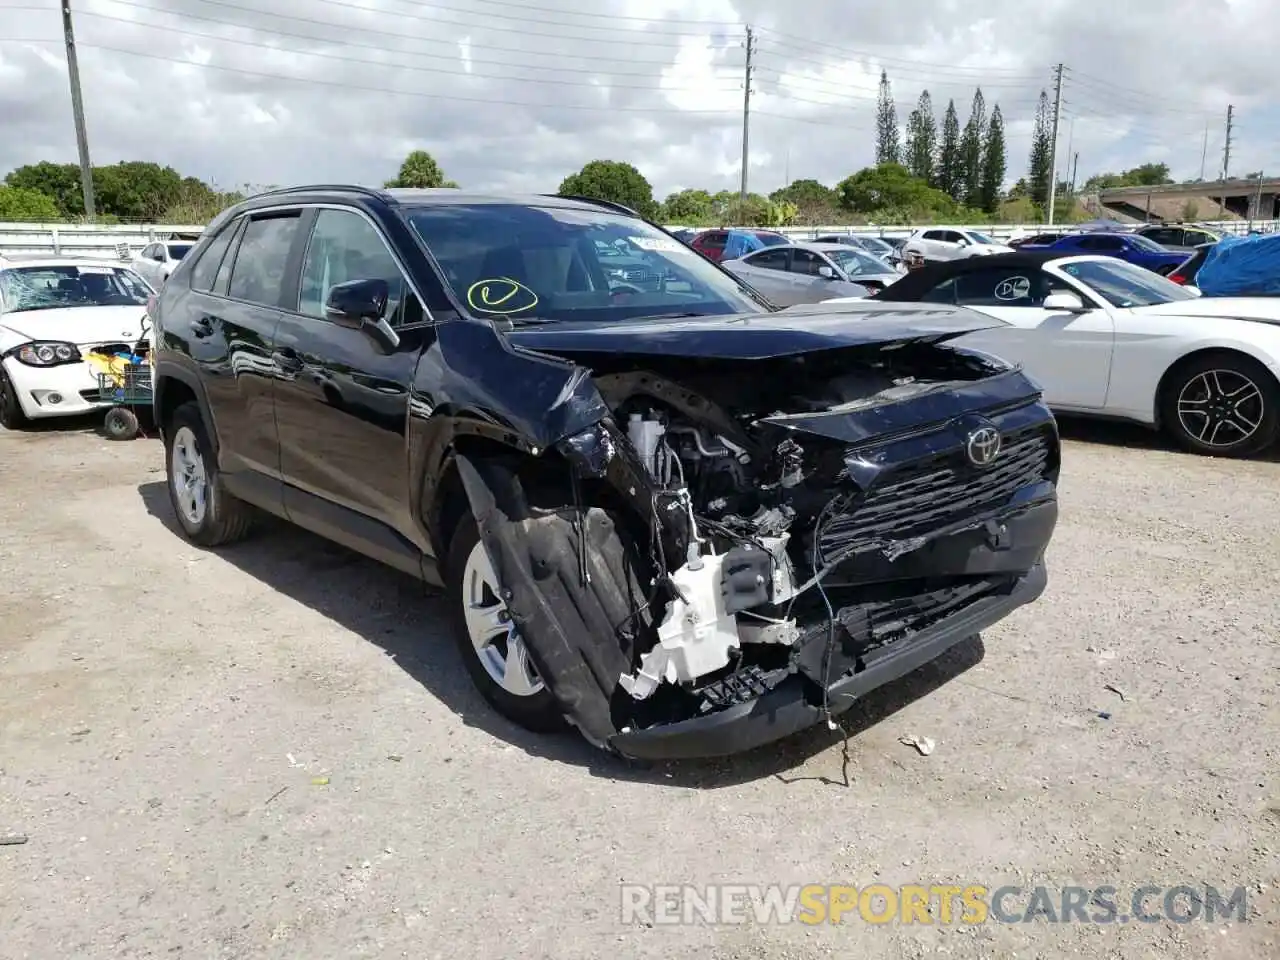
[
  {"x": 136, "y": 189},
  {"x": 949, "y": 170},
  {"x": 614, "y": 181},
  {"x": 801, "y": 192},
  {"x": 1038, "y": 172},
  {"x": 971, "y": 143},
  {"x": 692, "y": 207},
  {"x": 888, "y": 146},
  {"x": 889, "y": 188},
  {"x": 61, "y": 181},
  {"x": 24, "y": 205},
  {"x": 420, "y": 172},
  {"x": 993, "y": 164},
  {"x": 922, "y": 139}
]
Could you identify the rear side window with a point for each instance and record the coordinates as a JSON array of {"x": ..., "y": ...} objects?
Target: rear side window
[
  {"x": 206, "y": 267},
  {"x": 769, "y": 259},
  {"x": 713, "y": 241},
  {"x": 259, "y": 272}
]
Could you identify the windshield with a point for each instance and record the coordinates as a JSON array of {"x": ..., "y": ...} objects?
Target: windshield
[
  {"x": 179, "y": 250},
  {"x": 772, "y": 239},
  {"x": 1146, "y": 243},
  {"x": 856, "y": 263},
  {"x": 546, "y": 264},
  {"x": 1125, "y": 285},
  {"x": 980, "y": 238},
  {"x": 875, "y": 245},
  {"x": 61, "y": 286}
]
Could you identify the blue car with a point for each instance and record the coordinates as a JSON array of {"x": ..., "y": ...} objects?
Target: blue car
[{"x": 1129, "y": 247}]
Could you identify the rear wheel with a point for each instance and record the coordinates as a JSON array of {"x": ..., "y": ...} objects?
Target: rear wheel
[
  {"x": 492, "y": 650},
  {"x": 1222, "y": 404},
  {"x": 11, "y": 415},
  {"x": 208, "y": 514},
  {"x": 120, "y": 423}
]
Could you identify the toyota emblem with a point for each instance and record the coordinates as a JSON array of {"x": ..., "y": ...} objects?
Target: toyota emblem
[{"x": 982, "y": 446}]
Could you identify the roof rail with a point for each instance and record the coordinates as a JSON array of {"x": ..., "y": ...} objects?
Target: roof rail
[
  {"x": 313, "y": 187},
  {"x": 607, "y": 204}
]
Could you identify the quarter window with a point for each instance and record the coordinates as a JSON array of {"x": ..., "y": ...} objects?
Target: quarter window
[
  {"x": 345, "y": 247},
  {"x": 206, "y": 268},
  {"x": 262, "y": 260}
]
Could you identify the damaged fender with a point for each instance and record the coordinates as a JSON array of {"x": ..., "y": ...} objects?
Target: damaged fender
[{"x": 570, "y": 588}]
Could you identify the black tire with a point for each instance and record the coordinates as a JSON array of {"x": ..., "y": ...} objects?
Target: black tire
[
  {"x": 538, "y": 712},
  {"x": 225, "y": 519},
  {"x": 120, "y": 423},
  {"x": 11, "y": 415},
  {"x": 1193, "y": 432}
]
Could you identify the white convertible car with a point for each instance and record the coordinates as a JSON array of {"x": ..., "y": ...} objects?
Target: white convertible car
[
  {"x": 1106, "y": 338},
  {"x": 53, "y": 312}
]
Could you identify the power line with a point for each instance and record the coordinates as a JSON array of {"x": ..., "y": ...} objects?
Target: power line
[
  {"x": 804, "y": 45},
  {"x": 391, "y": 34},
  {"x": 456, "y": 70}
]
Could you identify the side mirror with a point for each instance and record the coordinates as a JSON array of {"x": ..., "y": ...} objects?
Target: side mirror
[
  {"x": 363, "y": 304},
  {"x": 826, "y": 272},
  {"x": 1068, "y": 302}
]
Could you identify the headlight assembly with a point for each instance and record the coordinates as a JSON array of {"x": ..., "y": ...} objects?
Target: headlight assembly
[{"x": 47, "y": 354}]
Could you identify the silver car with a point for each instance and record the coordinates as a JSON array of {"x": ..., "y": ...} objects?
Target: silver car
[{"x": 812, "y": 272}]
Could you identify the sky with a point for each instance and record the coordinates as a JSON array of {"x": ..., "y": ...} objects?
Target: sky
[{"x": 516, "y": 94}]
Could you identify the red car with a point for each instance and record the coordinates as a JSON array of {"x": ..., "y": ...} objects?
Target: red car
[{"x": 731, "y": 244}]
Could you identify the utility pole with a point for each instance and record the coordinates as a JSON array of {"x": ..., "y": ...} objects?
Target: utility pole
[
  {"x": 1226, "y": 156},
  {"x": 1075, "y": 163},
  {"x": 77, "y": 108},
  {"x": 746, "y": 110},
  {"x": 1256, "y": 209},
  {"x": 1204, "y": 152},
  {"x": 1053, "y": 145}
]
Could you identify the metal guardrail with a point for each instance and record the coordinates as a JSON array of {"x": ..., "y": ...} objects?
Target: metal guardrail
[{"x": 124, "y": 240}]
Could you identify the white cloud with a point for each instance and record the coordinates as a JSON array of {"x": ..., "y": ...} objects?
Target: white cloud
[{"x": 515, "y": 94}]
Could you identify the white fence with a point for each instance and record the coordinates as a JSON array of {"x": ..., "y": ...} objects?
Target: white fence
[{"x": 110, "y": 240}]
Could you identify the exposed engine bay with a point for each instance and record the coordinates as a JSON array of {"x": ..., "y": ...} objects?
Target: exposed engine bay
[{"x": 786, "y": 518}]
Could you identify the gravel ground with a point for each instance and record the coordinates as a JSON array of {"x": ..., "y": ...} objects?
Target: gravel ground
[{"x": 169, "y": 716}]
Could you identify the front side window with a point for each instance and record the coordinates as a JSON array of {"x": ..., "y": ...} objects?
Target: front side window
[
  {"x": 855, "y": 263},
  {"x": 1125, "y": 285},
  {"x": 980, "y": 238},
  {"x": 543, "y": 263},
  {"x": 261, "y": 261},
  {"x": 1145, "y": 243},
  {"x": 807, "y": 262},
  {"x": 344, "y": 247},
  {"x": 206, "y": 267},
  {"x": 66, "y": 285},
  {"x": 1003, "y": 287}
]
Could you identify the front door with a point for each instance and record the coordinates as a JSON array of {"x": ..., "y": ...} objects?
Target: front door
[
  {"x": 1068, "y": 354},
  {"x": 342, "y": 400}
]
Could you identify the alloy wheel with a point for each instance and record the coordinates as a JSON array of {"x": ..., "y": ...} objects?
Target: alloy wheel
[
  {"x": 1221, "y": 408},
  {"x": 492, "y": 632},
  {"x": 188, "y": 476}
]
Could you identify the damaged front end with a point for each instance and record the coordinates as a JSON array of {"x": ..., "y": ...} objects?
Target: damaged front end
[{"x": 751, "y": 544}]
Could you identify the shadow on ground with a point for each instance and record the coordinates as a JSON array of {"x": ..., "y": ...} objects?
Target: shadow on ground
[
  {"x": 89, "y": 423},
  {"x": 409, "y": 622},
  {"x": 1119, "y": 433}
]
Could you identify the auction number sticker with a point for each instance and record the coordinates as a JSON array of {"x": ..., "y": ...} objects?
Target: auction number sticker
[
  {"x": 500, "y": 295},
  {"x": 96, "y": 270},
  {"x": 658, "y": 244}
]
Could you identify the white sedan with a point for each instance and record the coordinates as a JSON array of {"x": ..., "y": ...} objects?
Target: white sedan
[
  {"x": 157, "y": 260},
  {"x": 1110, "y": 339},
  {"x": 54, "y": 311}
]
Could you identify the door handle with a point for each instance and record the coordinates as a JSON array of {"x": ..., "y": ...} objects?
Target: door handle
[
  {"x": 286, "y": 358},
  {"x": 203, "y": 327}
]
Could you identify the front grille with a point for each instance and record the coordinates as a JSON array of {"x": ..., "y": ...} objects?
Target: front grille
[
  {"x": 934, "y": 493},
  {"x": 889, "y": 620}
]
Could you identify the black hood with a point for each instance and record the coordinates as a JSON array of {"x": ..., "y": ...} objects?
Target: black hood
[{"x": 797, "y": 330}]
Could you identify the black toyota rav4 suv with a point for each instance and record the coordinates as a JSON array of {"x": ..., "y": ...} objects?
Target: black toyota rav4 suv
[{"x": 675, "y": 516}]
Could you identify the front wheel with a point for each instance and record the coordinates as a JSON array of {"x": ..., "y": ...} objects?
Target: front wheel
[
  {"x": 1225, "y": 405},
  {"x": 492, "y": 649},
  {"x": 11, "y": 415}
]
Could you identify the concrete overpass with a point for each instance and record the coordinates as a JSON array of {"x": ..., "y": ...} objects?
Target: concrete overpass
[{"x": 1205, "y": 200}]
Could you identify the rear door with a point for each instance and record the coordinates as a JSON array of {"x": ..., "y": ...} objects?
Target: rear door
[
  {"x": 342, "y": 400},
  {"x": 231, "y": 313}
]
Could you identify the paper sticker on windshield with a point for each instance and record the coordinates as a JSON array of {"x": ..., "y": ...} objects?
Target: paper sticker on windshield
[
  {"x": 1013, "y": 288},
  {"x": 99, "y": 270},
  {"x": 659, "y": 244},
  {"x": 501, "y": 296}
]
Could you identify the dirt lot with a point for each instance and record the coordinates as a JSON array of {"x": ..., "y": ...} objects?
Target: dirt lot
[{"x": 167, "y": 713}]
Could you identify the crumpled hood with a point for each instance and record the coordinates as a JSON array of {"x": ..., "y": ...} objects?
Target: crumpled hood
[
  {"x": 79, "y": 325},
  {"x": 801, "y": 329}
]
